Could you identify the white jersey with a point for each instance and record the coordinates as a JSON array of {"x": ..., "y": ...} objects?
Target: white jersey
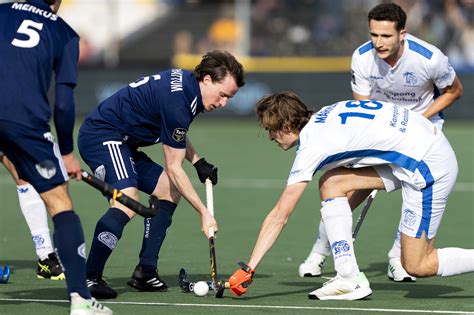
[
  {"x": 364, "y": 133},
  {"x": 415, "y": 81}
]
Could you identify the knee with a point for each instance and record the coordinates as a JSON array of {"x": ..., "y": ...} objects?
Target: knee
[
  {"x": 418, "y": 269},
  {"x": 330, "y": 186}
]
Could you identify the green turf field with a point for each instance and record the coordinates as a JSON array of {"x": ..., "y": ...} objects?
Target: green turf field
[{"x": 252, "y": 173}]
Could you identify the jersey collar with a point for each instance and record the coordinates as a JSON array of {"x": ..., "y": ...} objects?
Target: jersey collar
[{"x": 39, "y": 3}]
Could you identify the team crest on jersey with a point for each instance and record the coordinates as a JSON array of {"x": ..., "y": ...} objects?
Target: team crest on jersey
[
  {"x": 46, "y": 169},
  {"x": 340, "y": 247},
  {"x": 409, "y": 217},
  {"x": 410, "y": 78},
  {"x": 179, "y": 134}
]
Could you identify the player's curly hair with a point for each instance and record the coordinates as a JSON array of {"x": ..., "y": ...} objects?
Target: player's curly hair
[
  {"x": 218, "y": 64},
  {"x": 389, "y": 12},
  {"x": 279, "y": 111}
]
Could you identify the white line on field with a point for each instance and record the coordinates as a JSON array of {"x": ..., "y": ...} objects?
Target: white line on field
[
  {"x": 289, "y": 307},
  {"x": 255, "y": 183}
]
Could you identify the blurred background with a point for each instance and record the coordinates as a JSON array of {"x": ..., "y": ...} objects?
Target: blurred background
[{"x": 299, "y": 45}]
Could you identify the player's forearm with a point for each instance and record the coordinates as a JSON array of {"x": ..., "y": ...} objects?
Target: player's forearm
[
  {"x": 271, "y": 229},
  {"x": 191, "y": 154},
  {"x": 180, "y": 179},
  {"x": 449, "y": 96}
]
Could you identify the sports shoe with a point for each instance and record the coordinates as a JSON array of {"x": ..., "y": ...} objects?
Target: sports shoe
[
  {"x": 81, "y": 306},
  {"x": 312, "y": 266},
  {"x": 343, "y": 289},
  {"x": 397, "y": 273},
  {"x": 99, "y": 288},
  {"x": 143, "y": 281},
  {"x": 50, "y": 268}
]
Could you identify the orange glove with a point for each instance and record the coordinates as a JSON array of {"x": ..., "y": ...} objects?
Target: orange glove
[{"x": 241, "y": 279}]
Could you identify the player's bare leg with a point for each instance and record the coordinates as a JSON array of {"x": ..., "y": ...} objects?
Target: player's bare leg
[{"x": 420, "y": 258}]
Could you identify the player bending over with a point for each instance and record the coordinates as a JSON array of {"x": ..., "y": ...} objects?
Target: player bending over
[{"x": 349, "y": 138}]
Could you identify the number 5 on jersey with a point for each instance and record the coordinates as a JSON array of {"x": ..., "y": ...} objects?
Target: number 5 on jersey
[{"x": 30, "y": 29}]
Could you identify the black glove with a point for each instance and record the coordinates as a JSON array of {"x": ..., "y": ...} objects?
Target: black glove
[{"x": 206, "y": 170}]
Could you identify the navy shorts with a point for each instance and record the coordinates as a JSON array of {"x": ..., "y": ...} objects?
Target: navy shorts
[
  {"x": 118, "y": 164},
  {"x": 35, "y": 155}
]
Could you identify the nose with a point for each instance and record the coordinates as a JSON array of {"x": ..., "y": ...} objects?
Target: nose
[
  {"x": 223, "y": 101},
  {"x": 378, "y": 42}
]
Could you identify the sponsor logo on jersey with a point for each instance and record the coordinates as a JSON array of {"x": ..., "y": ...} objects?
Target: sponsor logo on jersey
[
  {"x": 179, "y": 134},
  {"x": 108, "y": 239},
  {"x": 46, "y": 169},
  {"x": 38, "y": 240},
  {"x": 409, "y": 217},
  {"x": 340, "y": 247},
  {"x": 410, "y": 78}
]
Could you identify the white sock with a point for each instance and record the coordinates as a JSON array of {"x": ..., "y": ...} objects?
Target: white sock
[
  {"x": 396, "y": 250},
  {"x": 454, "y": 261},
  {"x": 35, "y": 214},
  {"x": 337, "y": 216},
  {"x": 321, "y": 246}
]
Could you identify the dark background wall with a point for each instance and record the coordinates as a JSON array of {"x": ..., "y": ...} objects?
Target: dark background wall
[{"x": 316, "y": 89}]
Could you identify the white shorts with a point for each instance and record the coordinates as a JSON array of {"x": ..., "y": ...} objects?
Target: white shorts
[
  {"x": 422, "y": 209},
  {"x": 390, "y": 182}
]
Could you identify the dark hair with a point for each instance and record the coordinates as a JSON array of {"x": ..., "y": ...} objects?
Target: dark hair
[
  {"x": 389, "y": 12},
  {"x": 49, "y": 2},
  {"x": 279, "y": 111},
  {"x": 218, "y": 64}
]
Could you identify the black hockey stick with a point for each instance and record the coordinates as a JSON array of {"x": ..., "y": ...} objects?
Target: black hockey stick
[
  {"x": 187, "y": 286},
  {"x": 116, "y": 194},
  {"x": 363, "y": 213}
]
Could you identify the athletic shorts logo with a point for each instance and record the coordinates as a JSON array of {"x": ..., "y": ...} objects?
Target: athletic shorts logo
[
  {"x": 46, "y": 169},
  {"x": 100, "y": 172},
  {"x": 38, "y": 240},
  {"x": 340, "y": 247},
  {"x": 23, "y": 190},
  {"x": 179, "y": 134},
  {"x": 81, "y": 251},
  {"x": 108, "y": 239},
  {"x": 409, "y": 217}
]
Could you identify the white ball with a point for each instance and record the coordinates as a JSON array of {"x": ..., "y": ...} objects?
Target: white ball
[{"x": 201, "y": 288}]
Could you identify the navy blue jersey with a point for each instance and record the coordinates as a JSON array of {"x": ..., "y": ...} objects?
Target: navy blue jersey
[
  {"x": 156, "y": 108},
  {"x": 34, "y": 42}
]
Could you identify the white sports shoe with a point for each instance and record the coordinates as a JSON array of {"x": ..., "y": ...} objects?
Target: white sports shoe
[
  {"x": 81, "y": 306},
  {"x": 396, "y": 272},
  {"x": 343, "y": 289},
  {"x": 312, "y": 266}
]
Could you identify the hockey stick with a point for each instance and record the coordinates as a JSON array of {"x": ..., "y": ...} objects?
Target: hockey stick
[
  {"x": 116, "y": 194},
  {"x": 363, "y": 213},
  {"x": 188, "y": 286},
  {"x": 217, "y": 286}
]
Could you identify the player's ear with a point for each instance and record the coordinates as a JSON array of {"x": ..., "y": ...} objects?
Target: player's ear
[{"x": 403, "y": 34}]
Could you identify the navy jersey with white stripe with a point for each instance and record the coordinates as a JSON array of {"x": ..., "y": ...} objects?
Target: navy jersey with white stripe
[
  {"x": 153, "y": 109},
  {"x": 364, "y": 133},
  {"x": 34, "y": 42}
]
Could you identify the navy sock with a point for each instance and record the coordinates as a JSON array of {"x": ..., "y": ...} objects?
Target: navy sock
[
  {"x": 71, "y": 248},
  {"x": 154, "y": 235},
  {"x": 108, "y": 232}
]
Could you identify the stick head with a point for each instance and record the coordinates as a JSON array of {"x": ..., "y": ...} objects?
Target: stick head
[{"x": 219, "y": 291}]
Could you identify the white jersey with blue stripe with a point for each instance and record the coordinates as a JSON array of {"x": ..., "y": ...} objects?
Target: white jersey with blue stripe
[
  {"x": 364, "y": 133},
  {"x": 415, "y": 81}
]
